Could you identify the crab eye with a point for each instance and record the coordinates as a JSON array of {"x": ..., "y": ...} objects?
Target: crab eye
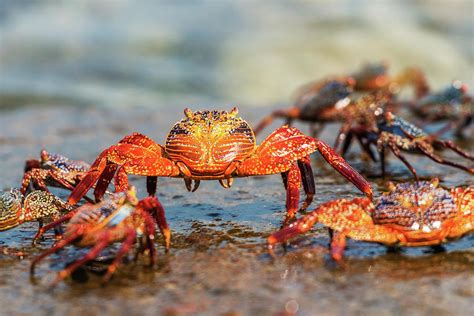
[{"x": 188, "y": 113}]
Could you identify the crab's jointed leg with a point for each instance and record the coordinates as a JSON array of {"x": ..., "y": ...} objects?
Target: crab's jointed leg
[
  {"x": 134, "y": 154},
  {"x": 290, "y": 114},
  {"x": 345, "y": 218}
]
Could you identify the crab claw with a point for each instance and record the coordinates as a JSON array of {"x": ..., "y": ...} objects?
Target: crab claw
[{"x": 341, "y": 166}]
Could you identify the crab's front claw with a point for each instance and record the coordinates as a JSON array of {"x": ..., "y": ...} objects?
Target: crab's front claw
[
  {"x": 292, "y": 230},
  {"x": 338, "y": 163}
]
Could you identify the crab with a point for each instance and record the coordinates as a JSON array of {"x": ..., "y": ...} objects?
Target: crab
[
  {"x": 121, "y": 217},
  {"x": 38, "y": 206},
  {"x": 215, "y": 145},
  {"x": 411, "y": 214},
  {"x": 52, "y": 170},
  {"x": 328, "y": 100},
  {"x": 452, "y": 104},
  {"x": 399, "y": 135}
]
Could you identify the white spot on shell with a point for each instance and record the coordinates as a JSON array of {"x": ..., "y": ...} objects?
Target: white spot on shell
[
  {"x": 415, "y": 226},
  {"x": 436, "y": 224},
  {"x": 426, "y": 229}
]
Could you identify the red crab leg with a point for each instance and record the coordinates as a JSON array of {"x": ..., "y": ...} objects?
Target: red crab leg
[
  {"x": 36, "y": 175},
  {"x": 292, "y": 192},
  {"x": 61, "y": 244},
  {"x": 47, "y": 227},
  {"x": 338, "y": 245},
  {"x": 153, "y": 206},
  {"x": 341, "y": 166},
  {"x": 345, "y": 218},
  {"x": 104, "y": 180},
  {"x": 130, "y": 235},
  {"x": 289, "y": 114},
  {"x": 104, "y": 241},
  {"x": 88, "y": 180}
]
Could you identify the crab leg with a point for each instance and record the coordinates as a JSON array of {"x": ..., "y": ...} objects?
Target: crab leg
[
  {"x": 61, "y": 244},
  {"x": 292, "y": 192},
  {"x": 104, "y": 180},
  {"x": 397, "y": 153},
  {"x": 308, "y": 181},
  {"x": 341, "y": 166},
  {"x": 151, "y": 205},
  {"x": 289, "y": 114},
  {"x": 440, "y": 160},
  {"x": 130, "y": 235},
  {"x": 104, "y": 240},
  {"x": 345, "y": 218},
  {"x": 449, "y": 144},
  {"x": 54, "y": 224}
]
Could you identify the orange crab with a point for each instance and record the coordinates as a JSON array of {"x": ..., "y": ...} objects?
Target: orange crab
[
  {"x": 215, "y": 145},
  {"x": 411, "y": 214}
]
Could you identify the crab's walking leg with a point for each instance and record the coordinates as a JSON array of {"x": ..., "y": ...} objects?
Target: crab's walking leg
[
  {"x": 338, "y": 245},
  {"x": 292, "y": 192},
  {"x": 104, "y": 240},
  {"x": 130, "y": 235},
  {"x": 451, "y": 145},
  {"x": 151, "y": 184},
  {"x": 289, "y": 114},
  {"x": 429, "y": 152},
  {"x": 61, "y": 244},
  {"x": 151, "y": 205},
  {"x": 104, "y": 180},
  {"x": 397, "y": 153},
  {"x": 54, "y": 224},
  {"x": 341, "y": 166},
  {"x": 308, "y": 181}
]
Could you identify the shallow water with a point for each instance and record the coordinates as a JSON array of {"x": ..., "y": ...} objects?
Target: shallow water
[{"x": 76, "y": 77}]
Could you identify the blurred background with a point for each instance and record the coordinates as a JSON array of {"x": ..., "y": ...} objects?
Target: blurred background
[{"x": 218, "y": 53}]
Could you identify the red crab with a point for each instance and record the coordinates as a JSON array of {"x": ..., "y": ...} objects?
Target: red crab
[
  {"x": 52, "y": 170},
  {"x": 119, "y": 217},
  {"x": 411, "y": 214},
  {"x": 215, "y": 145}
]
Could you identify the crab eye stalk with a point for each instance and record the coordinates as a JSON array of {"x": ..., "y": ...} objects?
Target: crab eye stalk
[
  {"x": 188, "y": 113},
  {"x": 234, "y": 112},
  {"x": 44, "y": 155}
]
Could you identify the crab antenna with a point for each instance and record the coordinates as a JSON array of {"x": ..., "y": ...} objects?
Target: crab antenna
[
  {"x": 189, "y": 113},
  {"x": 234, "y": 111}
]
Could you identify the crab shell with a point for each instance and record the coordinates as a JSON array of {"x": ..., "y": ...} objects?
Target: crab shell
[{"x": 411, "y": 214}]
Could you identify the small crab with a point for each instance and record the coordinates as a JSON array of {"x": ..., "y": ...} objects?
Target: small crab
[
  {"x": 411, "y": 214},
  {"x": 215, "y": 145},
  {"x": 38, "y": 206},
  {"x": 119, "y": 217},
  {"x": 328, "y": 100},
  {"x": 52, "y": 170},
  {"x": 452, "y": 104},
  {"x": 399, "y": 135}
]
